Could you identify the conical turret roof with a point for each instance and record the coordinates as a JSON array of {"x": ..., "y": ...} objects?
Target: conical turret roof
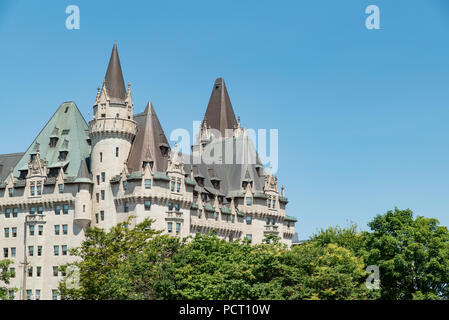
[
  {"x": 150, "y": 143},
  {"x": 219, "y": 113},
  {"x": 113, "y": 81}
]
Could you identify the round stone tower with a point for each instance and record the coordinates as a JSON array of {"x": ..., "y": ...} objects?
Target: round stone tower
[{"x": 111, "y": 131}]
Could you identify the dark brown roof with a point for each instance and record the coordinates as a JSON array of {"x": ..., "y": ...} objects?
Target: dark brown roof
[
  {"x": 219, "y": 113},
  {"x": 8, "y": 161},
  {"x": 115, "y": 85},
  {"x": 148, "y": 141}
]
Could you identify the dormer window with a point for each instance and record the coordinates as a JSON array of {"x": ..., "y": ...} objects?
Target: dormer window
[
  {"x": 244, "y": 184},
  {"x": 62, "y": 155},
  {"x": 145, "y": 163},
  {"x": 53, "y": 142},
  {"x": 32, "y": 156},
  {"x": 200, "y": 181},
  {"x": 23, "y": 174},
  {"x": 249, "y": 201},
  {"x": 53, "y": 172},
  {"x": 164, "y": 150},
  {"x": 216, "y": 184}
]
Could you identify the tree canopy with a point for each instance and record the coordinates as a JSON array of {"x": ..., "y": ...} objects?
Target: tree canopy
[{"x": 140, "y": 263}]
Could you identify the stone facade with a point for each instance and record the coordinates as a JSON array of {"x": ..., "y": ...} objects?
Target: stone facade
[{"x": 77, "y": 175}]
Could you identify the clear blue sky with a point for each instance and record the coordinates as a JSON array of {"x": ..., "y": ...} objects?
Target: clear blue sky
[{"x": 362, "y": 114}]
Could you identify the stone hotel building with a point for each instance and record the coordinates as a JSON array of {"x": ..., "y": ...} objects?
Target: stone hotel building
[{"x": 76, "y": 175}]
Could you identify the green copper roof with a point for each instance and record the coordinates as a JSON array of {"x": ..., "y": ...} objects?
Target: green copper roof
[
  {"x": 290, "y": 218},
  {"x": 136, "y": 175},
  {"x": 240, "y": 213},
  {"x": 69, "y": 126},
  {"x": 161, "y": 176},
  {"x": 208, "y": 207},
  {"x": 226, "y": 210},
  {"x": 194, "y": 206},
  {"x": 190, "y": 182}
]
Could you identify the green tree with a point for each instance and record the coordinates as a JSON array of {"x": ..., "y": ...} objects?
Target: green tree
[
  {"x": 207, "y": 267},
  {"x": 5, "y": 276},
  {"x": 412, "y": 255},
  {"x": 348, "y": 238},
  {"x": 323, "y": 271},
  {"x": 109, "y": 262}
]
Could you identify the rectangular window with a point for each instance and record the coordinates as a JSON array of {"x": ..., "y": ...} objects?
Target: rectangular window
[
  {"x": 170, "y": 206},
  {"x": 10, "y": 192},
  {"x": 249, "y": 219},
  {"x": 39, "y": 190},
  {"x": 96, "y": 217},
  {"x": 103, "y": 177},
  {"x": 170, "y": 226},
  {"x": 54, "y": 294},
  {"x": 61, "y": 188},
  {"x": 177, "y": 207},
  {"x": 125, "y": 185},
  {"x": 233, "y": 218},
  {"x": 31, "y": 251},
  {"x": 178, "y": 228},
  {"x": 14, "y": 232},
  {"x": 126, "y": 206},
  {"x": 65, "y": 229},
  {"x": 248, "y": 201},
  {"x": 39, "y": 251},
  {"x": 38, "y": 271},
  {"x": 7, "y": 212},
  {"x": 98, "y": 179},
  {"x": 101, "y": 156},
  {"x": 15, "y": 211},
  {"x": 30, "y": 271},
  {"x": 38, "y": 294},
  {"x": 56, "y": 250},
  {"x": 64, "y": 250},
  {"x": 97, "y": 195},
  {"x": 116, "y": 152},
  {"x": 147, "y": 205},
  {"x": 199, "y": 213},
  {"x": 102, "y": 215},
  {"x": 172, "y": 186},
  {"x": 65, "y": 209},
  {"x": 58, "y": 210},
  {"x": 57, "y": 228},
  {"x": 31, "y": 230},
  {"x": 32, "y": 210},
  {"x": 5, "y": 252},
  {"x": 29, "y": 294},
  {"x": 102, "y": 194},
  {"x": 249, "y": 237},
  {"x": 147, "y": 183},
  {"x": 13, "y": 252},
  {"x": 11, "y": 294},
  {"x": 6, "y": 232},
  {"x": 32, "y": 190},
  {"x": 55, "y": 271},
  {"x": 178, "y": 187},
  {"x": 40, "y": 230}
]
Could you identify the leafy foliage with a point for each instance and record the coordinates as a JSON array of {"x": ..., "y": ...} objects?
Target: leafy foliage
[
  {"x": 412, "y": 254},
  {"x": 5, "y": 276},
  {"x": 139, "y": 263}
]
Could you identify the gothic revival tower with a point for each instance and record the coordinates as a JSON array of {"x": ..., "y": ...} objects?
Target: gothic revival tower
[{"x": 112, "y": 130}]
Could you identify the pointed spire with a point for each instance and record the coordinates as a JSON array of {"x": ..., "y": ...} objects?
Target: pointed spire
[
  {"x": 219, "y": 113},
  {"x": 150, "y": 143},
  {"x": 113, "y": 81}
]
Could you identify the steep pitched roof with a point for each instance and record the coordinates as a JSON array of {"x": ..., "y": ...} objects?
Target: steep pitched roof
[
  {"x": 113, "y": 81},
  {"x": 68, "y": 125},
  {"x": 8, "y": 161},
  {"x": 245, "y": 165},
  {"x": 219, "y": 114},
  {"x": 148, "y": 141}
]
